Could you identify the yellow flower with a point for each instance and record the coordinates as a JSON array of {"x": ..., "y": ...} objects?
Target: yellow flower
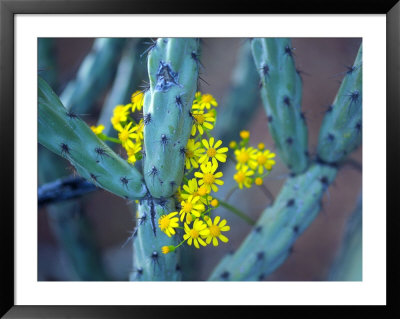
[
  {"x": 193, "y": 153},
  {"x": 204, "y": 101},
  {"x": 167, "y": 223},
  {"x": 244, "y": 134},
  {"x": 258, "y": 181},
  {"x": 246, "y": 156},
  {"x": 193, "y": 234},
  {"x": 261, "y": 146},
  {"x": 264, "y": 160},
  {"x": 167, "y": 249},
  {"x": 215, "y": 231},
  {"x": 191, "y": 207},
  {"x": 120, "y": 115},
  {"x": 132, "y": 151},
  {"x": 193, "y": 189},
  {"x": 212, "y": 152},
  {"x": 126, "y": 134},
  {"x": 97, "y": 129},
  {"x": 232, "y": 144},
  {"x": 242, "y": 177},
  {"x": 208, "y": 178},
  {"x": 201, "y": 120},
  {"x": 214, "y": 203},
  {"x": 137, "y": 99}
]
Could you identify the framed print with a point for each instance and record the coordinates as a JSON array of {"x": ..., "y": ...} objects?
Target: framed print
[{"x": 168, "y": 158}]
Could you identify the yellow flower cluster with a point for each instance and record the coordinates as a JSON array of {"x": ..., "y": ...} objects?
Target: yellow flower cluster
[
  {"x": 130, "y": 133},
  {"x": 252, "y": 164},
  {"x": 202, "y": 157}
]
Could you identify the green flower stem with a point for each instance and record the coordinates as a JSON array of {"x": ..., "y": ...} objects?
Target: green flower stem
[
  {"x": 104, "y": 137},
  {"x": 236, "y": 212}
]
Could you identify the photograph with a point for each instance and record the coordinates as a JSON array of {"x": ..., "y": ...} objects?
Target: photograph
[{"x": 199, "y": 159}]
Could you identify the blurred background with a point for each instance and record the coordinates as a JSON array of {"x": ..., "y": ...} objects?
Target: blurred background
[{"x": 86, "y": 239}]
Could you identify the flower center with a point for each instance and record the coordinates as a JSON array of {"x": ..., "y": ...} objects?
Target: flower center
[
  {"x": 206, "y": 98},
  {"x": 215, "y": 231},
  {"x": 199, "y": 118},
  {"x": 240, "y": 176},
  {"x": 208, "y": 178},
  {"x": 202, "y": 191},
  {"x": 189, "y": 153},
  {"x": 211, "y": 152},
  {"x": 123, "y": 136},
  {"x": 261, "y": 159},
  {"x": 243, "y": 157},
  {"x": 164, "y": 222},
  {"x": 187, "y": 208},
  {"x": 194, "y": 233}
]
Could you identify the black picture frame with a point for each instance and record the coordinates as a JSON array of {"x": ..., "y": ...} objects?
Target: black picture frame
[{"x": 8, "y": 10}]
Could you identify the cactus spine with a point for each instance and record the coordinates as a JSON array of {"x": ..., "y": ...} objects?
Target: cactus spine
[
  {"x": 67, "y": 135},
  {"x": 281, "y": 93}
]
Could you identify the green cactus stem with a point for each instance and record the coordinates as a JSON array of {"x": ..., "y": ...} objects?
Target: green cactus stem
[
  {"x": 281, "y": 94},
  {"x": 148, "y": 260},
  {"x": 279, "y": 226},
  {"x": 129, "y": 74},
  {"x": 341, "y": 130},
  {"x": 94, "y": 75},
  {"x": 173, "y": 73},
  {"x": 64, "y": 133},
  {"x": 242, "y": 99},
  {"x": 348, "y": 265}
]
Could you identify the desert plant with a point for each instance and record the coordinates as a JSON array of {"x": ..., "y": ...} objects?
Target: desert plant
[{"x": 170, "y": 138}]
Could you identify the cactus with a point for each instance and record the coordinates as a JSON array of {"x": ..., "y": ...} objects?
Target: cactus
[
  {"x": 173, "y": 75},
  {"x": 281, "y": 93},
  {"x": 149, "y": 263},
  {"x": 46, "y": 60},
  {"x": 173, "y": 69},
  {"x": 348, "y": 265},
  {"x": 268, "y": 245},
  {"x": 242, "y": 100},
  {"x": 94, "y": 75},
  {"x": 298, "y": 203},
  {"x": 64, "y": 133},
  {"x": 128, "y": 76},
  {"x": 341, "y": 132}
]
